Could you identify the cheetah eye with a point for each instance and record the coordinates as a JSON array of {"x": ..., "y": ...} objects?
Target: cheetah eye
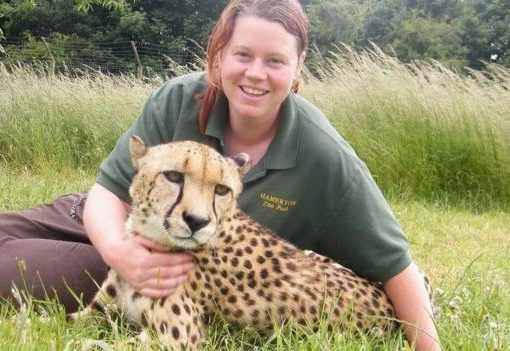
[
  {"x": 174, "y": 176},
  {"x": 221, "y": 189}
]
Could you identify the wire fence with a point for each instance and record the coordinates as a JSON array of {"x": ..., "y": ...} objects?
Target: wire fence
[{"x": 139, "y": 58}]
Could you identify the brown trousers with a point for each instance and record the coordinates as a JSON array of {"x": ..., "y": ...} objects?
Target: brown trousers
[{"x": 46, "y": 253}]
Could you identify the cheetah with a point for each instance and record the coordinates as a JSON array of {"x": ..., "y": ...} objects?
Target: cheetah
[{"x": 184, "y": 196}]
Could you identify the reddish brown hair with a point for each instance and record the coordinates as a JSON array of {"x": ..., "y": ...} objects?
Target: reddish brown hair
[{"x": 288, "y": 13}]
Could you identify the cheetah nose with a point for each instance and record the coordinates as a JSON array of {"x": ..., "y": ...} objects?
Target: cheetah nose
[{"x": 194, "y": 222}]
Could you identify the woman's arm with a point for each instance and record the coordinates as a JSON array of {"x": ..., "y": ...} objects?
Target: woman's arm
[
  {"x": 138, "y": 260},
  {"x": 412, "y": 306}
]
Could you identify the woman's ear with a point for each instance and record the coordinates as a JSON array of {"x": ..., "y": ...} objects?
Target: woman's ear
[
  {"x": 301, "y": 62},
  {"x": 299, "y": 69}
]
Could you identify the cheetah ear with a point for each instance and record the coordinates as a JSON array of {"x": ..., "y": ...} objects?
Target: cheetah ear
[
  {"x": 137, "y": 149},
  {"x": 243, "y": 162}
]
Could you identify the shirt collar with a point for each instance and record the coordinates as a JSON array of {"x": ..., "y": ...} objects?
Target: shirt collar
[{"x": 283, "y": 150}]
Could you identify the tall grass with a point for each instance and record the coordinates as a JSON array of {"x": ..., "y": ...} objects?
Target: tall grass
[
  {"x": 54, "y": 122},
  {"x": 425, "y": 131}
]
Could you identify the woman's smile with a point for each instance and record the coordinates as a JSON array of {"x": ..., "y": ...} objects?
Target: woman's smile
[{"x": 253, "y": 91}]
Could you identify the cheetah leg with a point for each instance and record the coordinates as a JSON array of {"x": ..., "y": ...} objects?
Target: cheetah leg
[
  {"x": 436, "y": 310},
  {"x": 176, "y": 322},
  {"x": 103, "y": 302}
]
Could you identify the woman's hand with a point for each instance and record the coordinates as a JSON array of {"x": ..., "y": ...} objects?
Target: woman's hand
[{"x": 148, "y": 268}]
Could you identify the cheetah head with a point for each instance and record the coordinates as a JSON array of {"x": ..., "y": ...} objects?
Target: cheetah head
[{"x": 181, "y": 191}]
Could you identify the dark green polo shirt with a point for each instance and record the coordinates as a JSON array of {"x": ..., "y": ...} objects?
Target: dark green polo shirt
[{"x": 310, "y": 187}]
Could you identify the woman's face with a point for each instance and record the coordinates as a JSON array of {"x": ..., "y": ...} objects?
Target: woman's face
[{"x": 258, "y": 66}]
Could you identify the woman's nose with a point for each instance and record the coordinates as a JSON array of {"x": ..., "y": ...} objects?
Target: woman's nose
[{"x": 256, "y": 70}]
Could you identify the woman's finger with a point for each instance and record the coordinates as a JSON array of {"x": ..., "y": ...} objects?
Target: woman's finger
[
  {"x": 150, "y": 244},
  {"x": 162, "y": 287},
  {"x": 167, "y": 272},
  {"x": 162, "y": 252},
  {"x": 170, "y": 259}
]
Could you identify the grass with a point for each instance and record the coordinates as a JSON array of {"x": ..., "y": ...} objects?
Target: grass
[
  {"x": 437, "y": 142},
  {"x": 466, "y": 254},
  {"x": 425, "y": 131},
  {"x": 59, "y": 122}
]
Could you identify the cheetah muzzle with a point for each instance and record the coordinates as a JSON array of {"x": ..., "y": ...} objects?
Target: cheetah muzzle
[{"x": 184, "y": 197}]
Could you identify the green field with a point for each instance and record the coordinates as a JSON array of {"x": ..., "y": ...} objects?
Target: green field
[{"x": 438, "y": 144}]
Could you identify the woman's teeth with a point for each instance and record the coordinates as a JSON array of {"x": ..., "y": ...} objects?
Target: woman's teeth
[{"x": 253, "y": 91}]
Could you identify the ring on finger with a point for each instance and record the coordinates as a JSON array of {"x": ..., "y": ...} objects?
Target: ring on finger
[{"x": 158, "y": 276}]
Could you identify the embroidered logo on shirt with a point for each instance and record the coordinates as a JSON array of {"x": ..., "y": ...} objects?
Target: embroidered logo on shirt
[{"x": 277, "y": 203}]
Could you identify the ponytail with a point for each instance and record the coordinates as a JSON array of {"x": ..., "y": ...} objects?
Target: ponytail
[{"x": 208, "y": 99}]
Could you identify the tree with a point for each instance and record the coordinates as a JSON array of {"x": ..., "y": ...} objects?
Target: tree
[
  {"x": 496, "y": 18},
  {"x": 455, "y": 31},
  {"x": 158, "y": 27},
  {"x": 440, "y": 10},
  {"x": 382, "y": 21},
  {"x": 421, "y": 38},
  {"x": 334, "y": 22},
  {"x": 9, "y": 7},
  {"x": 476, "y": 37}
]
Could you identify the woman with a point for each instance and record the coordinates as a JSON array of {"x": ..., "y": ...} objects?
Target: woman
[{"x": 306, "y": 183}]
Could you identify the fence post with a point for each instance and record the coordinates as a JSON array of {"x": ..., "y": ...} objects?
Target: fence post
[{"x": 139, "y": 67}]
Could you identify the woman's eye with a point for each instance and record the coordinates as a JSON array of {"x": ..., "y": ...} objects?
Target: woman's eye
[
  {"x": 276, "y": 61},
  {"x": 242, "y": 54},
  {"x": 174, "y": 176},
  {"x": 221, "y": 189}
]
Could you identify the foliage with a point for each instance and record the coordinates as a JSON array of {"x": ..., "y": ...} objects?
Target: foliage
[
  {"x": 495, "y": 16},
  {"x": 346, "y": 16},
  {"x": 175, "y": 27},
  {"x": 456, "y": 32},
  {"x": 420, "y": 37},
  {"x": 382, "y": 20},
  {"x": 86, "y": 5}
]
